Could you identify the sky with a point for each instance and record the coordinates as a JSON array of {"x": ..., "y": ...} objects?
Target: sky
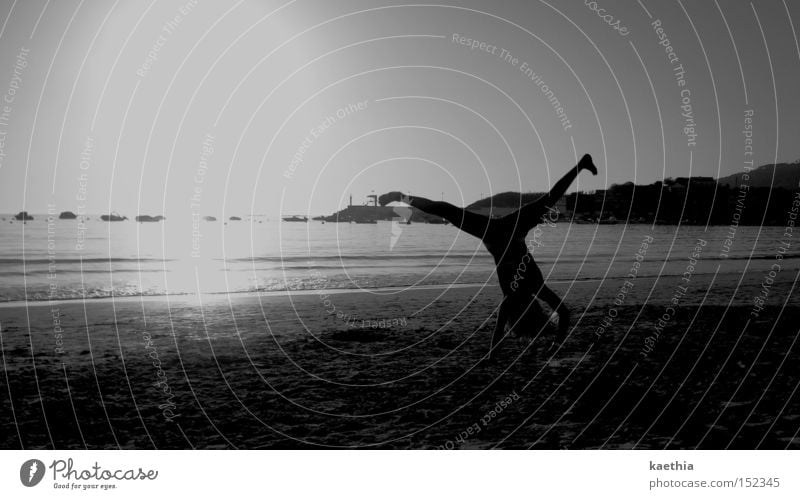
[{"x": 189, "y": 107}]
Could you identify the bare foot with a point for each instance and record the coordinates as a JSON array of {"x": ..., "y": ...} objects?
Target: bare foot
[
  {"x": 390, "y": 197},
  {"x": 488, "y": 358},
  {"x": 586, "y": 163}
]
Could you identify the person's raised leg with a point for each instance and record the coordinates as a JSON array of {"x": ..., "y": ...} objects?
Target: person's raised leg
[
  {"x": 529, "y": 216},
  {"x": 471, "y": 223},
  {"x": 560, "y": 187}
]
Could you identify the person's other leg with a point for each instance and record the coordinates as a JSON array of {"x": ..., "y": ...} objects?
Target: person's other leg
[
  {"x": 504, "y": 314},
  {"x": 556, "y": 303},
  {"x": 471, "y": 223}
]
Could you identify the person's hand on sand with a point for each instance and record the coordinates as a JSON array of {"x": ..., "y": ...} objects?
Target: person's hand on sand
[{"x": 557, "y": 343}]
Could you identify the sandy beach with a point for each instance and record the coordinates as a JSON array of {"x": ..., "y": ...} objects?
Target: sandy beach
[{"x": 359, "y": 369}]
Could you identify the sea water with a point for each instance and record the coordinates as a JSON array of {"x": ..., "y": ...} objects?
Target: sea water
[{"x": 48, "y": 259}]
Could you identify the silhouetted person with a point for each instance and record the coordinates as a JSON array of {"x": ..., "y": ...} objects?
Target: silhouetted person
[{"x": 520, "y": 278}]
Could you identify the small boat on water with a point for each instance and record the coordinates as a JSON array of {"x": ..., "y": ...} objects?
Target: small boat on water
[
  {"x": 148, "y": 218},
  {"x": 295, "y": 218},
  {"x": 23, "y": 216},
  {"x": 113, "y": 217},
  {"x": 67, "y": 215}
]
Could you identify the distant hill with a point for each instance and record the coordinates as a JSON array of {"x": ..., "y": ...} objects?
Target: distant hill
[
  {"x": 787, "y": 175},
  {"x": 505, "y": 200}
]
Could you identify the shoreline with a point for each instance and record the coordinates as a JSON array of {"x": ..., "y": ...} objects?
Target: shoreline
[
  {"x": 179, "y": 297},
  {"x": 243, "y": 294}
]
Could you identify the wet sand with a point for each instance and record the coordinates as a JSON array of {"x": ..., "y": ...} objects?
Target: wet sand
[{"x": 284, "y": 371}]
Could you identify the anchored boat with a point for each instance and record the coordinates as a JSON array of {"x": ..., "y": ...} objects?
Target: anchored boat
[
  {"x": 295, "y": 218},
  {"x": 113, "y": 217}
]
